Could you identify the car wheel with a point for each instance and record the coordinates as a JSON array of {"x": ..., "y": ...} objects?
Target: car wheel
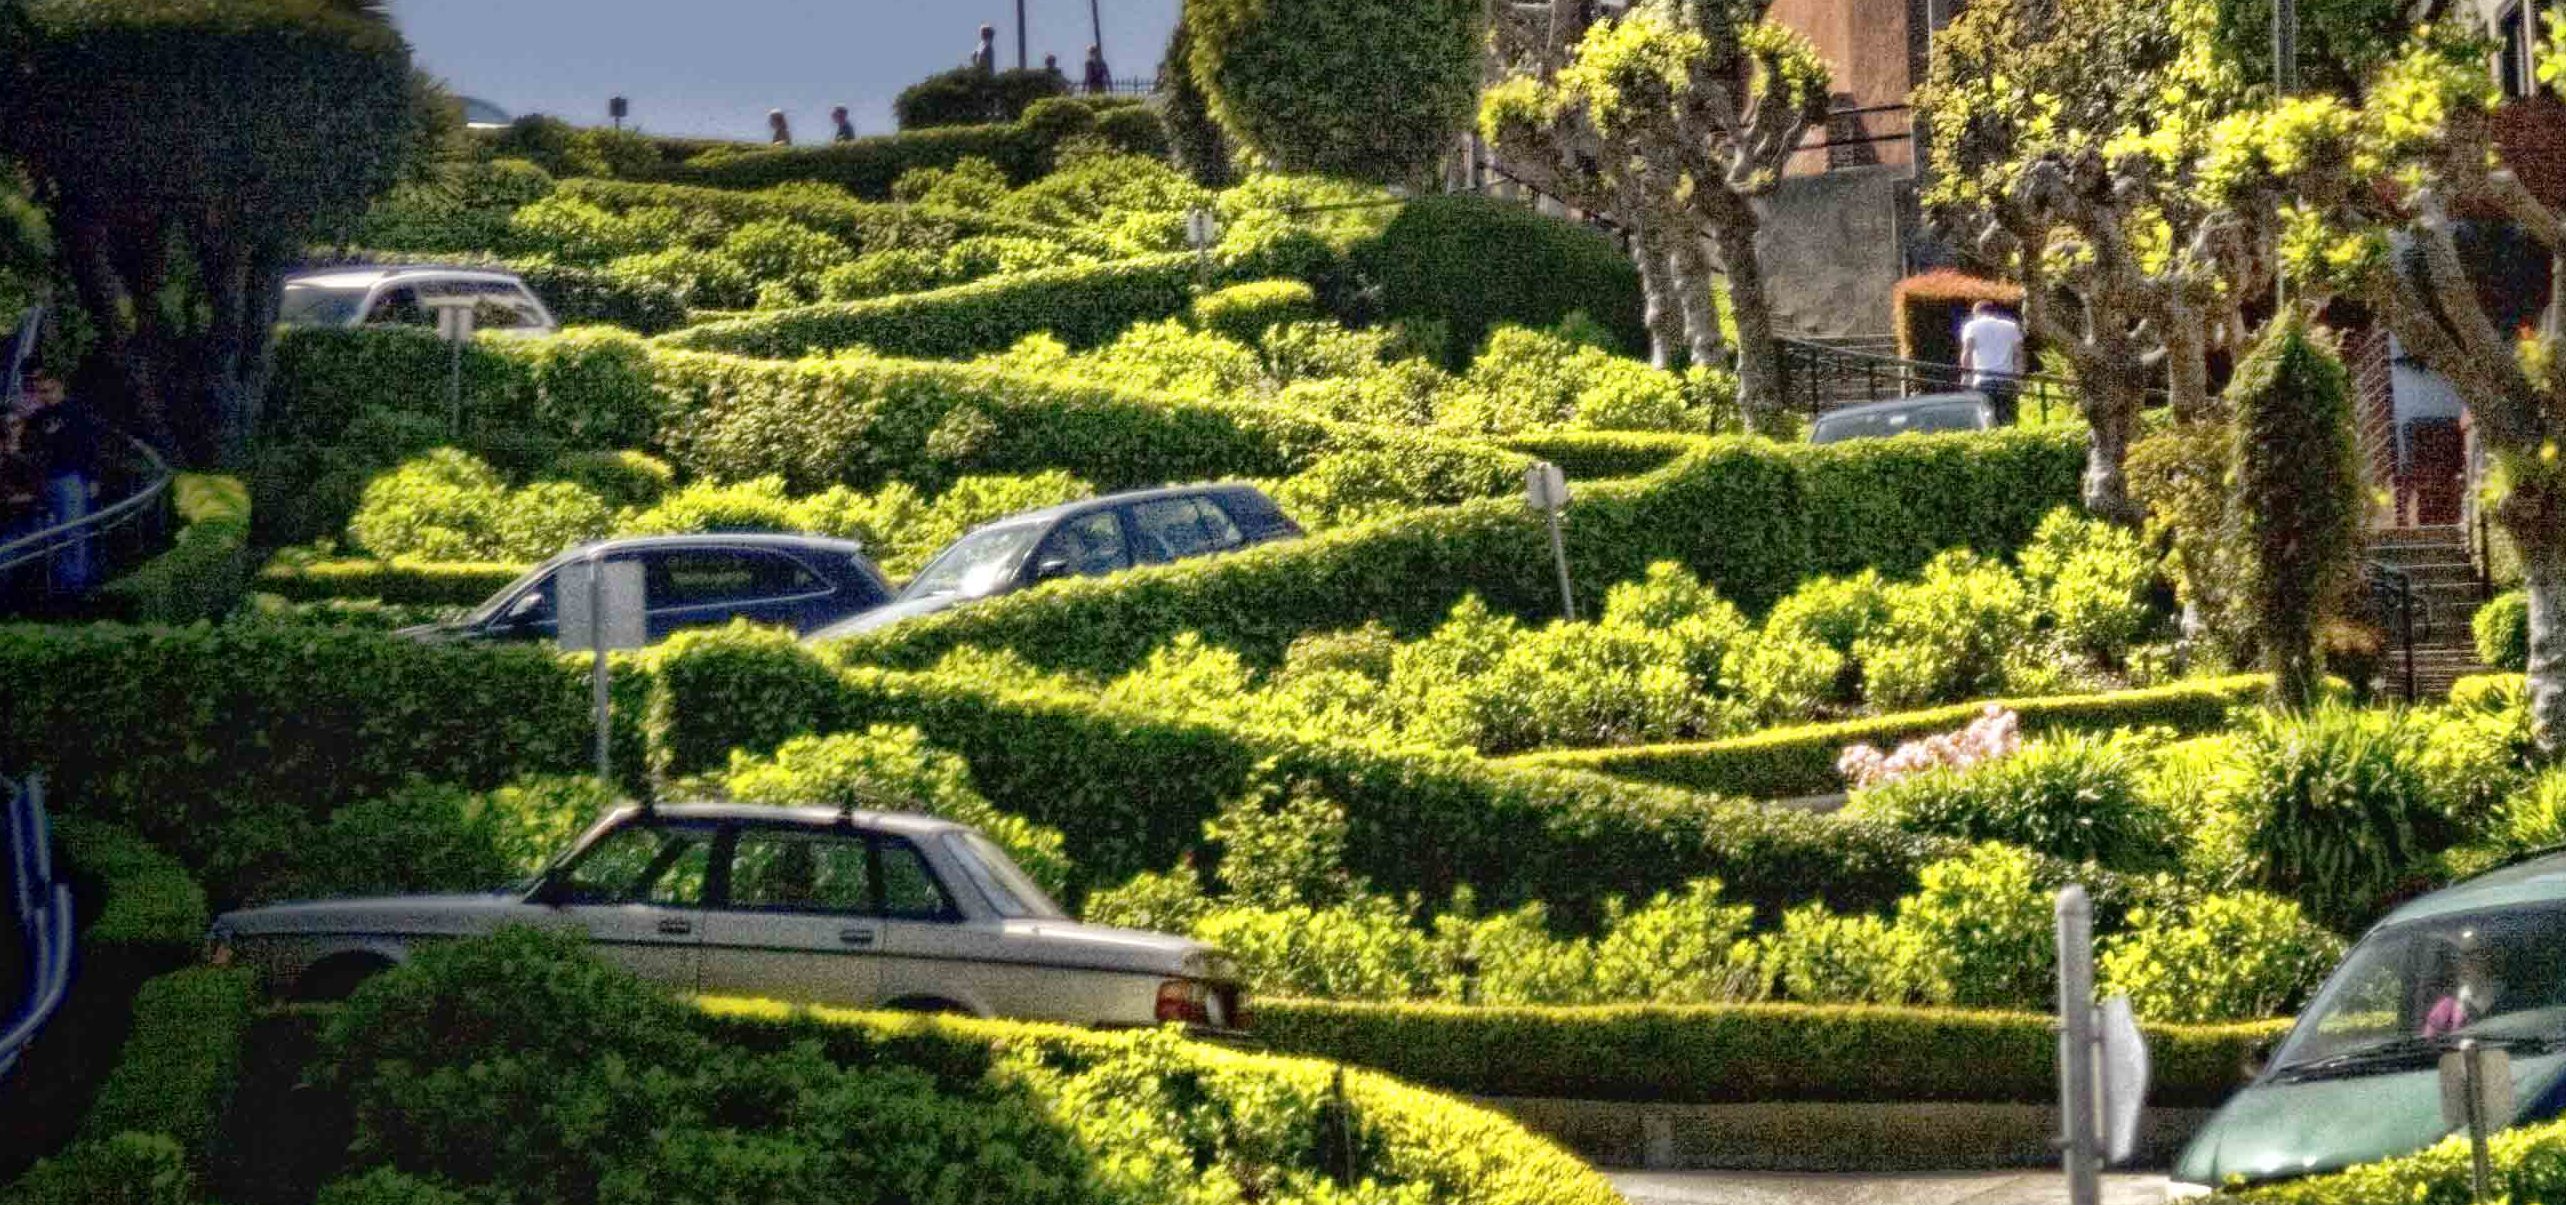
[{"x": 337, "y": 978}]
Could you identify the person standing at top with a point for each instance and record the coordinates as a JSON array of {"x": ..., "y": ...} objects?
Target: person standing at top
[
  {"x": 1991, "y": 350},
  {"x": 1100, "y": 80},
  {"x": 1051, "y": 67},
  {"x": 984, "y": 57},
  {"x": 845, "y": 124},
  {"x": 779, "y": 131}
]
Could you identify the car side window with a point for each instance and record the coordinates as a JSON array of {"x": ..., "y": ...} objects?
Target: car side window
[
  {"x": 495, "y": 314},
  {"x": 697, "y": 577},
  {"x": 1091, "y": 544},
  {"x": 909, "y": 887},
  {"x": 400, "y": 307},
  {"x": 642, "y": 864},
  {"x": 1172, "y": 529},
  {"x": 791, "y": 871}
]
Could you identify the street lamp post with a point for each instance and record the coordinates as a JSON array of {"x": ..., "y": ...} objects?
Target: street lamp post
[
  {"x": 1096, "y": 17},
  {"x": 1020, "y": 35}
]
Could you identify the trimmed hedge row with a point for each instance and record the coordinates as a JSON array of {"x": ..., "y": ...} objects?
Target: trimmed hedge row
[
  {"x": 861, "y": 225},
  {"x": 176, "y": 1071},
  {"x": 1463, "y": 1151},
  {"x": 1083, "y": 305},
  {"x": 1785, "y": 762},
  {"x": 868, "y": 167},
  {"x": 399, "y": 582},
  {"x": 152, "y": 906},
  {"x": 1131, "y": 789},
  {"x": 1604, "y": 455},
  {"x": 1717, "y": 1054},
  {"x": 1435, "y": 262},
  {"x": 1751, "y": 518},
  {"x": 206, "y": 569}
]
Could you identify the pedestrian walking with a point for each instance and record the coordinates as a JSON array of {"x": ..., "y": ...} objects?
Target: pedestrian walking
[
  {"x": 984, "y": 57},
  {"x": 1100, "y": 79},
  {"x": 1991, "y": 350},
  {"x": 1051, "y": 68},
  {"x": 845, "y": 124},
  {"x": 779, "y": 131}
]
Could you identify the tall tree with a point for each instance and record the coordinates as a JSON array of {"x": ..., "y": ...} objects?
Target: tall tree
[
  {"x": 1372, "y": 89},
  {"x": 187, "y": 150},
  {"x": 2297, "y": 500},
  {"x": 2375, "y": 198},
  {"x": 1684, "y": 114}
]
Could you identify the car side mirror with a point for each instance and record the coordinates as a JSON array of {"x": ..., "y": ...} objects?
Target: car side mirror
[{"x": 1051, "y": 567}]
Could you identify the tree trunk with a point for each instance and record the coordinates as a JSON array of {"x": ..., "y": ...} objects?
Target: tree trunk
[
  {"x": 2111, "y": 410},
  {"x": 2187, "y": 364},
  {"x": 1759, "y": 357},
  {"x": 1702, "y": 341},
  {"x": 1657, "y": 290},
  {"x": 2534, "y": 514}
]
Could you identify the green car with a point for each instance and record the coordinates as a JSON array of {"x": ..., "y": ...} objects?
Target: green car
[{"x": 2358, "y": 1078}]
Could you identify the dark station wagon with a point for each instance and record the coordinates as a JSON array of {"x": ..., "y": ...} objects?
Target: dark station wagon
[{"x": 798, "y": 581}]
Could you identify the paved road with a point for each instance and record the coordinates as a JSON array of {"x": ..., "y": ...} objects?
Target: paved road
[{"x": 1959, "y": 1188}]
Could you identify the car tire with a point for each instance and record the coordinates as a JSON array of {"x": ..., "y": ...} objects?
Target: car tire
[{"x": 336, "y": 978}]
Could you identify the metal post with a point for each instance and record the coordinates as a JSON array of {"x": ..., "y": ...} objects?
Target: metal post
[
  {"x": 2481, "y": 1170},
  {"x": 2406, "y": 622},
  {"x": 454, "y": 389},
  {"x": 1559, "y": 554},
  {"x": 1020, "y": 35},
  {"x": 2285, "y": 46},
  {"x": 1096, "y": 14},
  {"x": 2076, "y": 1102},
  {"x": 599, "y": 688}
]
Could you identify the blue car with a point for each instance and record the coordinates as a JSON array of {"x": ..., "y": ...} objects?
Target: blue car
[
  {"x": 1088, "y": 538},
  {"x": 801, "y": 582}
]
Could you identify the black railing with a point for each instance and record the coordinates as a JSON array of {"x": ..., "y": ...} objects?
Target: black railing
[
  {"x": 2393, "y": 605},
  {"x": 43, "y": 906},
  {"x": 35, "y": 567},
  {"x": 1817, "y": 378}
]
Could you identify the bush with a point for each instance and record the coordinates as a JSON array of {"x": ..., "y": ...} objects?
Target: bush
[
  {"x": 176, "y": 1072},
  {"x": 1931, "y": 307},
  {"x": 2502, "y": 628},
  {"x": 394, "y": 583},
  {"x": 206, "y": 570},
  {"x": 431, "y": 838},
  {"x": 2093, "y": 579},
  {"x": 2535, "y": 818},
  {"x": 1245, "y": 312},
  {"x": 2221, "y": 958},
  {"x": 967, "y": 96},
  {"x": 1083, "y": 305},
  {"x": 1738, "y": 1054},
  {"x": 869, "y": 167},
  {"x": 2074, "y": 797},
  {"x": 2337, "y": 812},
  {"x": 1820, "y": 957},
  {"x": 151, "y": 901},
  {"x": 1985, "y": 919},
  {"x": 2528, "y": 1164},
  {"x": 1432, "y": 263},
  {"x": 126, "y": 1169}
]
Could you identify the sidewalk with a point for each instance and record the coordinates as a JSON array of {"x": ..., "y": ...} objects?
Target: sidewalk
[{"x": 1957, "y": 1188}]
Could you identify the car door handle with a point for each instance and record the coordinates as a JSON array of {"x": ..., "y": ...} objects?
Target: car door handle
[
  {"x": 856, "y": 937},
  {"x": 676, "y": 926}
]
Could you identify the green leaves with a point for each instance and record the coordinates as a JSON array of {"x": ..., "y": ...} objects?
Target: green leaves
[{"x": 1369, "y": 89}]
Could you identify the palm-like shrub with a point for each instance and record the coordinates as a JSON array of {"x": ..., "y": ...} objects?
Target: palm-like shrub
[
  {"x": 2297, "y": 498},
  {"x": 2073, "y": 797},
  {"x": 2336, "y": 811}
]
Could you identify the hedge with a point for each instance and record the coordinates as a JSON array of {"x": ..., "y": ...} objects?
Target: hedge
[
  {"x": 1929, "y": 308},
  {"x": 206, "y": 569},
  {"x": 868, "y": 167},
  {"x": 1785, "y": 762},
  {"x": 1747, "y": 1053},
  {"x": 1440, "y": 260},
  {"x": 1752, "y": 518},
  {"x": 2502, "y": 631},
  {"x": 1083, "y": 305},
  {"x": 2525, "y": 1164},
  {"x": 400, "y": 581},
  {"x": 970, "y": 96},
  {"x": 1130, "y": 789},
  {"x": 1604, "y": 455},
  {"x": 861, "y": 225},
  {"x": 151, "y": 904},
  {"x": 1463, "y": 1151},
  {"x": 177, "y": 1068}
]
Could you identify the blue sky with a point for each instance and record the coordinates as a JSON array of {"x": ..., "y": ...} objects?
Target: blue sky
[{"x": 716, "y": 66}]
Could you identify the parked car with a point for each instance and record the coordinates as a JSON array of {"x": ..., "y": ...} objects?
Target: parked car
[
  {"x": 802, "y": 582},
  {"x": 1924, "y": 414},
  {"x": 1083, "y": 539},
  {"x": 805, "y": 905},
  {"x": 410, "y": 296},
  {"x": 2358, "y": 1079}
]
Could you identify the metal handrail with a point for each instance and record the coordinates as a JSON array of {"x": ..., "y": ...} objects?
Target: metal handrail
[
  {"x": 41, "y": 545},
  {"x": 44, "y": 911},
  {"x": 2392, "y": 592}
]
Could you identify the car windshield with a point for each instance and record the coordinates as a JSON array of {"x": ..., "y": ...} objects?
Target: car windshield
[
  {"x": 2498, "y": 976},
  {"x": 319, "y": 305},
  {"x": 489, "y": 609},
  {"x": 995, "y": 874},
  {"x": 976, "y": 565}
]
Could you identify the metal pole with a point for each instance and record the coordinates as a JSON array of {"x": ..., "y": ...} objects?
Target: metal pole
[
  {"x": 454, "y": 389},
  {"x": 600, "y": 694},
  {"x": 2481, "y": 1170},
  {"x": 1096, "y": 14},
  {"x": 2285, "y": 46},
  {"x": 2076, "y": 1105},
  {"x": 1559, "y": 555},
  {"x": 1020, "y": 35},
  {"x": 2406, "y": 621}
]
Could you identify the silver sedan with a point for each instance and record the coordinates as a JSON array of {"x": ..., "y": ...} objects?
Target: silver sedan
[{"x": 807, "y": 905}]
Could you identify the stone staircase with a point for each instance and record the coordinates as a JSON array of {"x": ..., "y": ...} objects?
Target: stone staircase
[{"x": 2446, "y": 592}]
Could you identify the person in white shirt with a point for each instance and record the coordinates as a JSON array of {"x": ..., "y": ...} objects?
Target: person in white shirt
[{"x": 1991, "y": 348}]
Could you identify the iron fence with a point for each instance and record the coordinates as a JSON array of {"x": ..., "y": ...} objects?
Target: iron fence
[
  {"x": 110, "y": 540},
  {"x": 43, "y": 907}
]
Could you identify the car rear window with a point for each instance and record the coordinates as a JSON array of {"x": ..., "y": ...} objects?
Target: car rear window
[{"x": 1007, "y": 888}]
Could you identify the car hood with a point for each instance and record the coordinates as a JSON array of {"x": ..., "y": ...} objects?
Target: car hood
[
  {"x": 402, "y": 914},
  {"x": 1121, "y": 949},
  {"x": 890, "y": 613},
  {"x": 2277, "y": 1129}
]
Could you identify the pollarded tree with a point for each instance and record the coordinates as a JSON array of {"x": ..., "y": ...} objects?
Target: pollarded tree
[
  {"x": 2297, "y": 500},
  {"x": 1371, "y": 89},
  {"x": 187, "y": 151},
  {"x": 1693, "y": 109},
  {"x": 2374, "y": 198}
]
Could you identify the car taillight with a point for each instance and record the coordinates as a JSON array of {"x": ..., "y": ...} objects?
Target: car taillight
[{"x": 1183, "y": 1001}]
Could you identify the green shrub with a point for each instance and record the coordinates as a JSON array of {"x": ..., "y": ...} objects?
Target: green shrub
[
  {"x": 2074, "y": 797},
  {"x": 2093, "y": 578},
  {"x": 2337, "y": 811},
  {"x": 1985, "y": 918},
  {"x": 1586, "y": 684},
  {"x": 1947, "y": 635},
  {"x": 700, "y": 279},
  {"x": 1788, "y": 762},
  {"x": 206, "y": 570},
  {"x": 1245, "y": 312},
  {"x": 1821, "y": 958},
  {"x": 2502, "y": 628},
  {"x": 449, "y": 506},
  {"x": 175, "y": 1075},
  {"x": 150, "y": 901},
  {"x": 1083, "y": 305},
  {"x": 892, "y": 769},
  {"x": 869, "y": 167},
  {"x": 968, "y": 96},
  {"x": 620, "y": 479},
  {"x": 2535, "y": 818},
  {"x": 384, "y": 1186},
  {"x": 2220, "y": 958},
  {"x": 1433, "y": 263},
  {"x": 777, "y": 252},
  {"x": 397, "y": 583},
  {"x": 1528, "y": 379},
  {"x": 1737, "y": 1054},
  {"x": 2528, "y": 1164},
  {"x": 125, "y": 1169},
  {"x": 1363, "y": 949}
]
